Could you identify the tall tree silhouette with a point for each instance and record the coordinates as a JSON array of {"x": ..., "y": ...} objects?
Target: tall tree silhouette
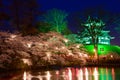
[
  {"x": 110, "y": 18},
  {"x": 93, "y": 27},
  {"x": 57, "y": 19},
  {"x": 23, "y": 14},
  {"x": 3, "y": 15}
]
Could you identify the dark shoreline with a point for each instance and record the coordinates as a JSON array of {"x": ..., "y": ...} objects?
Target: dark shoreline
[
  {"x": 47, "y": 51},
  {"x": 57, "y": 67}
]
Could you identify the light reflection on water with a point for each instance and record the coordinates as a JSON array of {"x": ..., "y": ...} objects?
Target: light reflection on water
[
  {"x": 70, "y": 73},
  {"x": 75, "y": 74}
]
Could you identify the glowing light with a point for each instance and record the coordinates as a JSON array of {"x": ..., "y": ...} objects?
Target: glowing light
[
  {"x": 57, "y": 75},
  {"x": 87, "y": 42},
  {"x": 85, "y": 55},
  {"x": 28, "y": 76},
  {"x": 86, "y": 74},
  {"x": 77, "y": 46},
  {"x": 65, "y": 40},
  {"x": 113, "y": 74},
  {"x": 107, "y": 74},
  {"x": 57, "y": 72},
  {"x": 27, "y": 61},
  {"x": 80, "y": 54},
  {"x": 29, "y": 44},
  {"x": 63, "y": 73},
  {"x": 80, "y": 74},
  {"x": 24, "y": 76},
  {"x": 111, "y": 56},
  {"x": 64, "y": 76},
  {"x": 69, "y": 52},
  {"x": 94, "y": 50},
  {"x": 102, "y": 49},
  {"x": 102, "y": 37},
  {"x": 63, "y": 47},
  {"x": 56, "y": 48},
  {"x": 48, "y": 54},
  {"x": 48, "y": 75},
  {"x": 95, "y": 73},
  {"x": 87, "y": 24},
  {"x": 69, "y": 74},
  {"x": 40, "y": 44},
  {"x": 46, "y": 44},
  {"x": 13, "y": 36}
]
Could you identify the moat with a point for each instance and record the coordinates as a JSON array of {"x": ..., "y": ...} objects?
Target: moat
[{"x": 68, "y": 73}]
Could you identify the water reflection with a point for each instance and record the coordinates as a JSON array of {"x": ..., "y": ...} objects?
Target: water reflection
[
  {"x": 69, "y": 74},
  {"x": 85, "y": 73},
  {"x": 113, "y": 74},
  {"x": 48, "y": 75},
  {"x": 95, "y": 73},
  {"x": 24, "y": 76}
]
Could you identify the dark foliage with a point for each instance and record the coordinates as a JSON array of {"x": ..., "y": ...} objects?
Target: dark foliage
[{"x": 23, "y": 14}]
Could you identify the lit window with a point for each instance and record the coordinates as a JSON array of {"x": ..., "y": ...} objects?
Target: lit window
[
  {"x": 101, "y": 49},
  {"x": 102, "y": 37},
  {"x": 87, "y": 42},
  {"x": 107, "y": 43},
  {"x": 106, "y": 38}
]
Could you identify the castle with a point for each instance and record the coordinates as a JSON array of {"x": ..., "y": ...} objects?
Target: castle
[{"x": 103, "y": 39}]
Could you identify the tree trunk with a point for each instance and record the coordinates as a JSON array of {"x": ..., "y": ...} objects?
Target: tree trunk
[
  {"x": 96, "y": 51},
  {"x": 58, "y": 29},
  {"x": 95, "y": 43}
]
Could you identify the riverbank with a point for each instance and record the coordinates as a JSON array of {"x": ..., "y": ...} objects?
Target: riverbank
[
  {"x": 59, "y": 66},
  {"x": 45, "y": 50}
]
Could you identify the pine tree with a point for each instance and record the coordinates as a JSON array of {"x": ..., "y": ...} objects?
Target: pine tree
[
  {"x": 93, "y": 28},
  {"x": 23, "y": 15}
]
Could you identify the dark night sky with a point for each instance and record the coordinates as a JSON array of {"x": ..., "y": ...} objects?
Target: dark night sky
[
  {"x": 75, "y": 5},
  {"x": 71, "y": 6}
]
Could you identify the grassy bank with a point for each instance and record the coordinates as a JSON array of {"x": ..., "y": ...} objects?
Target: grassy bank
[{"x": 103, "y": 49}]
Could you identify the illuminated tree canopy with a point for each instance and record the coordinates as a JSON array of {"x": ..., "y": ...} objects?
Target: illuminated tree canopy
[
  {"x": 93, "y": 27},
  {"x": 57, "y": 19}
]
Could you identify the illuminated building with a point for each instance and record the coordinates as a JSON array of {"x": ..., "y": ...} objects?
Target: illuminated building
[{"x": 104, "y": 38}]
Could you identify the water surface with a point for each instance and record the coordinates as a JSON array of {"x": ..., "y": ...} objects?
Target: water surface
[{"x": 69, "y": 73}]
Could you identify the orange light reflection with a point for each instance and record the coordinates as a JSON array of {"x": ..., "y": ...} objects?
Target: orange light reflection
[
  {"x": 86, "y": 73},
  {"x": 69, "y": 74},
  {"x": 113, "y": 74},
  {"x": 95, "y": 73}
]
